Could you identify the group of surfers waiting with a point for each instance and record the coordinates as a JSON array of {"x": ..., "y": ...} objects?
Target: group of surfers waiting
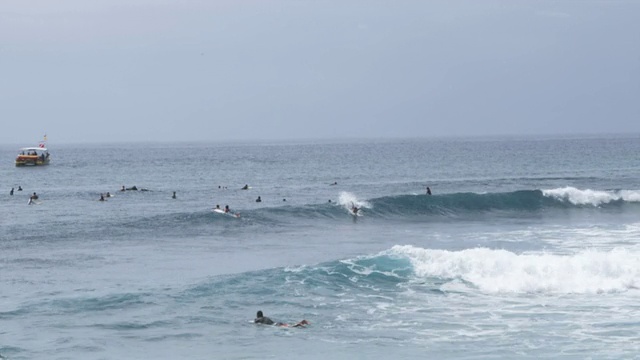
[
  {"x": 33, "y": 197},
  {"x": 103, "y": 197}
]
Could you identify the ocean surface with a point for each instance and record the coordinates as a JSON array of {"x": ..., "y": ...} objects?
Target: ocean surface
[{"x": 528, "y": 248}]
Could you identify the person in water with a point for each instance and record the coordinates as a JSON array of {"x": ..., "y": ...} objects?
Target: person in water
[
  {"x": 245, "y": 187},
  {"x": 354, "y": 208},
  {"x": 261, "y": 319},
  {"x": 428, "y": 191},
  {"x": 258, "y": 199}
]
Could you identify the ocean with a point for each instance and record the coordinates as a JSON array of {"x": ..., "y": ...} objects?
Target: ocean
[{"x": 528, "y": 248}]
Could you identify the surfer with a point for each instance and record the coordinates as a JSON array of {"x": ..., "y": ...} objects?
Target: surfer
[
  {"x": 334, "y": 183},
  {"x": 354, "y": 209},
  {"x": 258, "y": 199},
  {"x": 101, "y": 197},
  {"x": 11, "y": 192},
  {"x": 428, "y": 191},
  {"x": 174, "y": 195},
  {"x": 123, "y": 189},
  {"x": 261, "y": 319},
  {"x": 34, "y": 196},
  {"x": 108, "y": 194},
  {"x": 226, "y": 208},
  {"x": 218, "y": 207},
  {"x": 19, "y": 188},
  {"x": 245, "y": 187}
]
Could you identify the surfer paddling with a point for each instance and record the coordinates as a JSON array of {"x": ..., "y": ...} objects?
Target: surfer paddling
[{"x": 261, "y": 319}]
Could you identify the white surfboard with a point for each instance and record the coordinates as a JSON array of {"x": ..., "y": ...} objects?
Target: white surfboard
[
  {"x": 220, "y": 211},
  {"x": 359, "y": 213}
]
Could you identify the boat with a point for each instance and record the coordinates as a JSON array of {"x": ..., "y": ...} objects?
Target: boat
[{"x": 33, "y": 156}]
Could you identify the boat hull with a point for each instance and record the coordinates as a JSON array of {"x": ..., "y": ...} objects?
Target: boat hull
[{"x": 31, "y": 160}]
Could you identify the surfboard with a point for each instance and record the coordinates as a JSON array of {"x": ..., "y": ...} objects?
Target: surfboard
[{"x": 220, "y": 211}]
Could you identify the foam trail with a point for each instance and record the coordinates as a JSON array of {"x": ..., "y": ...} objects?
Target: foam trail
[
  {"x": 497, "y": 271},
  {"x": 591, "y": 197}
]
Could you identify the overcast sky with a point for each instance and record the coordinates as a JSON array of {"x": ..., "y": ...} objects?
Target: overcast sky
[{"x": 212, "y": 70}]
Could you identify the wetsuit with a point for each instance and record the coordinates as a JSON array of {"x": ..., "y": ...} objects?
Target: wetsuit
[{"x": 263, "y": 320}]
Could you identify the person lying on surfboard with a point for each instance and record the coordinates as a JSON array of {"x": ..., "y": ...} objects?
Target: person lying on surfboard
[{"x": 261, "y": 319}]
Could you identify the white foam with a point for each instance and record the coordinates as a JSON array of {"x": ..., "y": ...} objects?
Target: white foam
[
  {"x": 591, "y": 197},
  {"x": 347, "y": 200},
  {"x": 496, "y": 271}
]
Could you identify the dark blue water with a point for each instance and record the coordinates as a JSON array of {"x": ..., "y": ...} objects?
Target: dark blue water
[{"x": 527, "y": 248}]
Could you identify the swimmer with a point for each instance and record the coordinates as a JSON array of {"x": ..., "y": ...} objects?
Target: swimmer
[{"x": 261, "y": 319}]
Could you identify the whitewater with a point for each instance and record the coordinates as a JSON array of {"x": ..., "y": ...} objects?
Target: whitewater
[{"x": 528, "y": 248}]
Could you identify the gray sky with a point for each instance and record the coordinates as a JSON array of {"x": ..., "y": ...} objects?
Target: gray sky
[{"x": 212, "y": 70}]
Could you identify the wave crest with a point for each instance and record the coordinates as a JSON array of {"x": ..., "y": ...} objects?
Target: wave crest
[
  {"x": 591, "y": 197},
  {"x": 496, "y": 271}
]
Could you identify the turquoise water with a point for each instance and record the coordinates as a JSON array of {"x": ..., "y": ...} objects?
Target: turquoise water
[{"x": 528, "y": 248}]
